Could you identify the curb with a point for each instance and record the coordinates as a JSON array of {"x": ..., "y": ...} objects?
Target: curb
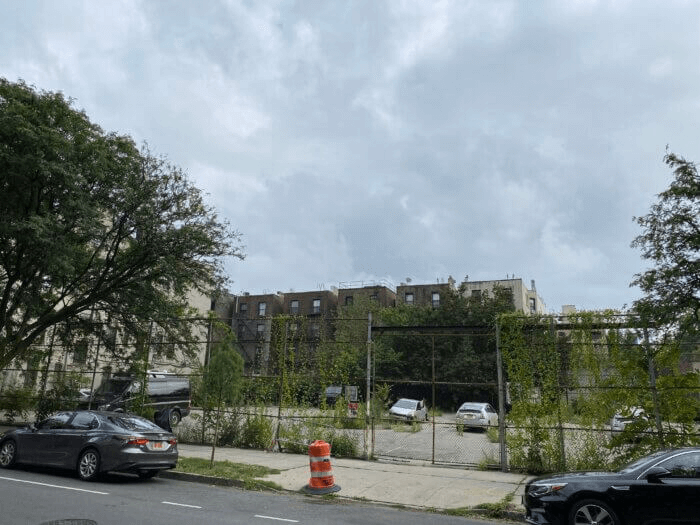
[
  {"x": 200, "y": 478},
  {"x": 225, "y": 482}
]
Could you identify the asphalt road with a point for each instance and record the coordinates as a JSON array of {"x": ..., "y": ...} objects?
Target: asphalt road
[{"x": 30, "y": 496}]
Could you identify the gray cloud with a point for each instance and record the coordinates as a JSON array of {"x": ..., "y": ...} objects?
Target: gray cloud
[{"x": 384, "y": 140}]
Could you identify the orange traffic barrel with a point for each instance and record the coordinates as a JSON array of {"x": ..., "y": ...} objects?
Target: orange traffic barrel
[{"x": 322, "y": 480}]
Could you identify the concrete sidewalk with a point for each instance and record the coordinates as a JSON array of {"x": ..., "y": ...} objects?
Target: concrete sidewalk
[{"x": 414, "y": 484}]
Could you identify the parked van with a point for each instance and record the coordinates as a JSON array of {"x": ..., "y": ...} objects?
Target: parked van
[{"x": 164, "y": 391}]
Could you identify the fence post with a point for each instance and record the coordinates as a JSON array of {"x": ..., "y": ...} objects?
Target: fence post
[
  {"x": 281, "y": 372},
  {"x": 47, "y": 369},
  {"x": 501, "y": 400},
  {"x": 94, "y": 368},
  {"x": 560, "y": 428},
  {"x": 433, "y": 400},
  {"x": 652, "y": 384},
  {"x": 368, "y": 411}
]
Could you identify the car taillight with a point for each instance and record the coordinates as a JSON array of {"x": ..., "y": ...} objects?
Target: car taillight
[
  {"x": 172, "y": 442},
  {"x": 136, "y": 441}
]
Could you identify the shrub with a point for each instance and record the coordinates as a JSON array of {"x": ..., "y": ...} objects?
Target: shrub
[
  {"x": 257, "y": 431},
  {"x": 343, "y": 445},
  {"x": 492, "y": 434},
  {"x": 16, "y": 402},
  {"x": 294, "y": 437},
  {"x": 63, "y": 395}
]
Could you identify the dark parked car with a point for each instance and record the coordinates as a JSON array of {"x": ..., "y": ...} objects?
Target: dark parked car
[
  {"x": 661, "y": 488},
  {"x": 334, "y": 392},
  {"x": 92, "y": 442}
]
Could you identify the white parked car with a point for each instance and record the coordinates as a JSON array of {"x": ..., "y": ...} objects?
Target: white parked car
[
  {"x": 627, "y": 416},
  {"x": 409, "y": 410},
  {"x": 476, "y": 415}
]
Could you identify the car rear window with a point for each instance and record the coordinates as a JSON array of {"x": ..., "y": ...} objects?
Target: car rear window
[
  {"x": 470, "y": 408},
  {"x": 137, "y": 424}
]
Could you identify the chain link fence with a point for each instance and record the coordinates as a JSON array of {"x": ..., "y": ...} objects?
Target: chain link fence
[{"x": 555, "y": 413}]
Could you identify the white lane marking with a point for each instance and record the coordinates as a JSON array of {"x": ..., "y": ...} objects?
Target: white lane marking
[
  {"x": 181, "y": 505},
  {"x": 277, "y": 519},
  {"x": 55, "y": 486}
]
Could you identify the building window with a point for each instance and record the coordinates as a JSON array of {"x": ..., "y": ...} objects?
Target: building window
[
  {"x": 294, "y": 306},
  {"x": 80, "y": 351},
  {"x": 316, "y": 306},
  {"x": 243, "y": 308},
  {"x": 436, "y": 299},
  {"x": 533, "y": 305},
  {"x": 315, "y": 330},
  {"x": 476, "y": 294},
  {"x": 348, "y": 300},
  {"x": 408, "y": 298},
  {"x": 262, "y": 308},
  {"x": 261, "y": 330},
  {"x": 374, "y": 297}
]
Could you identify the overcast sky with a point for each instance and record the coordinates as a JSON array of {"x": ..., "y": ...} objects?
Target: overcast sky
[{"x": 385, "y": 140}]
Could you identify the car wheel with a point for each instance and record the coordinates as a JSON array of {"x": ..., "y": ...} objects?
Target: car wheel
[
  {"x": 89, "y": 465},
  {"x": 8, "y": 453},
  {"x": 147, "y": 474},
  {"x": 592, "y": 512},
  {"x": 175, "y": 417}
]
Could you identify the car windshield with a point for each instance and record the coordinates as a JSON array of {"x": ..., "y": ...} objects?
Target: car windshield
[
  {"x": 112, "y": 387},
  {"x": 406, "y": 403},
  {"x": 470, "y": 408},
  {"x": 136, "y": 424}
]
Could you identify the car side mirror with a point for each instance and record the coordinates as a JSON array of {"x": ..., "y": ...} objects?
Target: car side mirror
[
  {"x": 32, "y": 427},
  {"x": 656, "y": 474}
]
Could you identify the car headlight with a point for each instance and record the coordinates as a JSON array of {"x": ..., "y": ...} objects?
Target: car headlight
[{"x": 545, "y": 489}]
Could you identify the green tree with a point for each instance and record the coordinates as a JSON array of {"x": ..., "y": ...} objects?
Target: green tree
[
  {"x": 671, "y": 241},
  {"x": 221, "y": 382},
  {"x": 345, "y": 357},
  {"x": 89, "y": 222},
  {"x": 467, "y": 358}
]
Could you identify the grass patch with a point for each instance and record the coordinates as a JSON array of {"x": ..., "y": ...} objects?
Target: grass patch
[
  {"x": 491, "y": 510},
  {"x": 247, "y": 474},
  {"x": 413, "y": 426},
  {"x": 488, "y": 462}
]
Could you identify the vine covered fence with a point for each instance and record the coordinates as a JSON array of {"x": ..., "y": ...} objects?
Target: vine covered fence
[{"x": 557, "y": 383}]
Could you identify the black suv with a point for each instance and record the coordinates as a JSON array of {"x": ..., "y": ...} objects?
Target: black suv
[{"x": 164, "y": 391}]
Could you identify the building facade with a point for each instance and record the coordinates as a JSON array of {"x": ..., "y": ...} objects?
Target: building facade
[
  {"x": 525, "y": 300},
  {"x": 311, "y": 313},
  {"x": 351, "y": 293}
]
